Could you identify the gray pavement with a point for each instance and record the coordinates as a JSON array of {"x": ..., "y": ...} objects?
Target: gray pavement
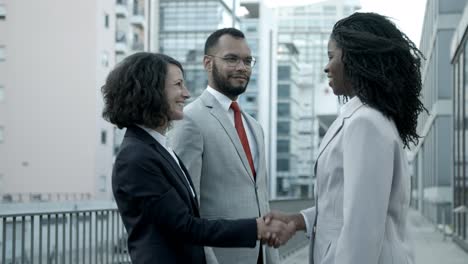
[{"x": 429, "y": 246}]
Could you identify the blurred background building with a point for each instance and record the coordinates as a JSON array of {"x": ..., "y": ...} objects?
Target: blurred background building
[
  {"x": 73, "y": 60},
  {"x": 308, "y": 28},
  {"x": 459, "y": 60},
  {"x": 259, "y": 24},
  {"x": 184, "y": 26},
  {"x": 55, "y": 56},
  {"x": 54, "y": 144},
  {"x": 439, "y": 182},
  {"x": 287, "y": 146}
]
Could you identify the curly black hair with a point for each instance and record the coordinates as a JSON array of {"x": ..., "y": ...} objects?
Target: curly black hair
[
  {"x": 384, "y": 67},
  {"x": 134, "y": 91}
]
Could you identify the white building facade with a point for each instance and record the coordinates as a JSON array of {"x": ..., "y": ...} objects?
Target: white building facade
[{"x": 54, "y": 58}]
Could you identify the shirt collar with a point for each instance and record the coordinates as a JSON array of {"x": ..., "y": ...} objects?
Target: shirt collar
[
  {"x": 160, "y": 138},
  {"x": 223, "y": 100},
  {"x": 348, "y": 106}
]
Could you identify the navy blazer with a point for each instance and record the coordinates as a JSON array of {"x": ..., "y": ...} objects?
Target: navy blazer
[{"x": 158, "y": 210}]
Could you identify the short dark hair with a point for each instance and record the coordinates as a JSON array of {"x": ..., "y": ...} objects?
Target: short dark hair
[
  {"x": 212, "y": 40},
  {"x": 384, "y": 67},
  {"x": 134, "y": 91}
]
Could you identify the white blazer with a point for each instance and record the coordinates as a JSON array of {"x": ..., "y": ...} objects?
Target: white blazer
[{"x": 362, "y": 192}]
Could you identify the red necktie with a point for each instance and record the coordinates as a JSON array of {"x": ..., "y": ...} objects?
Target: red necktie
[{"x": 242, "y": 135}]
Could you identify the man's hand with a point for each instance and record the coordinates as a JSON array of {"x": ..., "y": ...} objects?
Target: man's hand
[
  {"x": 298, "y": 219},
  {"x": 295, "y": 221},
  {"x": 276, "y": 233}
]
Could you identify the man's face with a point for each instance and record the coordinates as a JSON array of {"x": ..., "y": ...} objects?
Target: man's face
[{"x": 229, "y": 77}]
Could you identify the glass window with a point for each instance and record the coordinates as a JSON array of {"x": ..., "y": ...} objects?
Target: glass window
[
  {"x": 455, "y": 131},
  {"x": 463, "y": 183},
  {"x": 284, "y": 110},
  {"x": 2, "y": 53},
  {"x": 329, "y": 10},
  {"x": 282, "y": 165},
  {"x": 283, "y": 145},
  {"x": 102, "y": 183},
  {"x": 284, "y": 72},
  {"x": 103, "y": 137},
  {"x": 106, "y": 20},
  {"x": 250, "y": 99},
  {"x": 105, "y": 59},
  {"x": 2, "y": 12},
  {"x": 284, "y": 90},
  {"x": 283, "y": 128}
]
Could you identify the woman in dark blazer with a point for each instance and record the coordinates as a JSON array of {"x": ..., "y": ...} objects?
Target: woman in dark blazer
[{"x": 152, "y": 188}]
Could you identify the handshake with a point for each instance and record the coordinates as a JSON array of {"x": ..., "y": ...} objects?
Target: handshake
[{"x": 276, "y": 228}]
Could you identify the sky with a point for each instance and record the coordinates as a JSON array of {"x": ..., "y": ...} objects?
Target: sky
[{"x": 408, "y": 15}]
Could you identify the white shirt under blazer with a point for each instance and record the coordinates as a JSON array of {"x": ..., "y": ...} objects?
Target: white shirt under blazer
[{"x": 362, "y": 192}]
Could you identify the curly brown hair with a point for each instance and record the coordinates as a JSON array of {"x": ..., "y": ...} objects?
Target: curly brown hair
[{"x": 134, "y": 91}]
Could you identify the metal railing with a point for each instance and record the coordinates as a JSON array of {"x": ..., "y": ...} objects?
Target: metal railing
[
  {"x": 43, "y": 197},
  {"x": 86, "y": 235},
  {"x": 78, "y": 236}
]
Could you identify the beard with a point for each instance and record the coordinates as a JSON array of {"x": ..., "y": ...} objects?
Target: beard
[{"x": 223, "y": 85}]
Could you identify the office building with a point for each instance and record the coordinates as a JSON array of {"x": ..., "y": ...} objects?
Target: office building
[{"x": 433, "y": 163}]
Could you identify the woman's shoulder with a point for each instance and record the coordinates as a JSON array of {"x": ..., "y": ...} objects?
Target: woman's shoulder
[
  {"x": 372, "y": 119},
  {"x": 366, "y": 112},
  {"x": 133, "y": 149}
]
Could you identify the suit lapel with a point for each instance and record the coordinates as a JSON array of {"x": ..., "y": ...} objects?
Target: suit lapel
[
  {"x": 169, "y": 160},
  {"x": 257, "y": 134},
  {"x": 218, "y": 113},
  {"x": 331, "y": 133},
  {"x": 354, "y": 104},
  {"x": 195, "y": 199},
  {"x": 174, "y": 167}
]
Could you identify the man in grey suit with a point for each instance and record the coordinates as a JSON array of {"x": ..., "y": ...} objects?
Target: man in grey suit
[{"x": 223, "y": 147}]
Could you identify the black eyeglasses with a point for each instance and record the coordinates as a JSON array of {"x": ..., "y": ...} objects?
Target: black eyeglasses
[{"x": 233, "y": 61}]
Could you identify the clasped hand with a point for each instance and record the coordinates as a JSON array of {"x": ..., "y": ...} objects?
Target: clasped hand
[{"x": 275, "y": 231}]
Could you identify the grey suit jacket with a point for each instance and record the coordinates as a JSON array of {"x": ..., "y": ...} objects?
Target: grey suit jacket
[
  {"x": 210, "y": 148},
  {"x": 362, "y": 192}
]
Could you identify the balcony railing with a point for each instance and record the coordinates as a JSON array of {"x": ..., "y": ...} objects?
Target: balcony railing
[
  {"x": 85, "y": 235},
  {"x": 75, "y": 236},
  {"x": 43, "y": 197}
]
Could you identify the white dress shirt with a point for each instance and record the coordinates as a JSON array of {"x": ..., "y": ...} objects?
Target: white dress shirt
[{"x": 225, "y": 103}]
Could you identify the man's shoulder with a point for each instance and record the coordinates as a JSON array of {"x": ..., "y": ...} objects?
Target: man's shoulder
[{"x": 195, "y": 107}]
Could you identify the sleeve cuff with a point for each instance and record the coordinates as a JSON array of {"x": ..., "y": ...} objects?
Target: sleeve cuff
[{"x": 308, "y": 230}]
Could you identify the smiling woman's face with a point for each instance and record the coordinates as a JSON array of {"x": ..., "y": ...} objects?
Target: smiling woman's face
[
  {"x": 335, "y": 70},
  {"x": 176, "y": 92}
]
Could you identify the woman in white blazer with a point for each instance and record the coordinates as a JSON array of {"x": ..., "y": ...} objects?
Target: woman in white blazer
[{"x": 362, "y": 174}]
